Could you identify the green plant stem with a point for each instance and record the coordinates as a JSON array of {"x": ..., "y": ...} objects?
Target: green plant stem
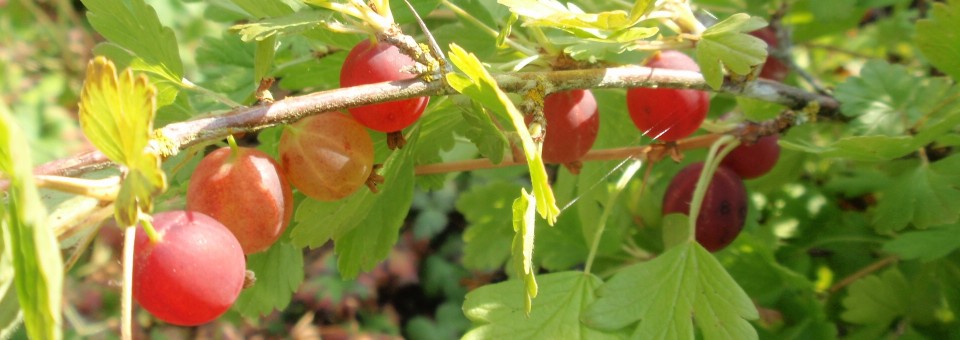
[
  {"x": 126, "y": 291},
  {"x": 102, "y": 189},
  {"x": 234, "y": 148},
  {"x": 628, "y": 174},
  {"x": 486, "y": 29},
  {"x": 150, "y": 230},
  {"x": 706, "y": 175}
]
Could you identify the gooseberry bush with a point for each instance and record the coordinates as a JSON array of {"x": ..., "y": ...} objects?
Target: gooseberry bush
[{"x": 517, "y": 169}]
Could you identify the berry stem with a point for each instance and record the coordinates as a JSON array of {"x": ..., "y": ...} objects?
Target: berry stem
[
  {"x": 625, "y": 178},
  {"x": 714, "y": 156},
  {"x": 234, "y": 148},
  {"x": 102, "y": 189},
  {"x": 126, "y": 298},
  {"x": 150, "y": 230}
]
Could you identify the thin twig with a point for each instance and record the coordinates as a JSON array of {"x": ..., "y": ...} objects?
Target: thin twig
[
  {"x": 178, "y": 136},
  {"x": 863, "y": 272}
]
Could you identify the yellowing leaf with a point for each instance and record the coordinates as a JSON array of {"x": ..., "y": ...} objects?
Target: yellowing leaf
[
  {"x": 116, "y": 115},
  {"x": 554, "y": 14},
  {"x": 480, "y": 86}
]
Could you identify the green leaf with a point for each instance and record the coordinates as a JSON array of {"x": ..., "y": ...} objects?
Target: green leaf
[
  {"x": 675, "y": 229},
  {"x": 923, "y": 196},
  {"x": 10, "y": 315},
  {"x": 877, "y": 299},
  {"x": 488, "y": 236},
  {"x": 887, "y": 99},
  {"x": 167, "y": 88},
  {"x": 726, "y": 45},
  {"x": 267, "y": 9},
  {"x": 291, "y": 24},
  {"x": 377, "y": 230},
  {"x": 263, "y": 58},
  {"x": 134, "y": 25},
  {"x": 450, "y": 323},
  {"x": 37, "y": 266},
  {"x": 551, "y": 13},
  {"x": 116, "y": 115},
  {"x": 524, "y": 225},
  {"x": 671, "y": 291},
  {"x": 480, "y": 129},
  {"x": 937, "y": 37},
  {"x": 926, "y": 245},
  {"x": 441, "y": 278},
  {"x": 480, "y": 86},
  {"x": 279, "y": 272},
  {"x": 317, "y": 222},
  {"x": 497, "y": 310},
  {"x": 402, "y": 14}
]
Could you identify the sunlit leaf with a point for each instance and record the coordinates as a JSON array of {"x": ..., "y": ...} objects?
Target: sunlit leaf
[
  {"x": 726, "y": 45},
  {"x": 279, "y": 272},
  {"x": 665, "y": 295},
  {"x": 498, "y": 310},
  {"x": 134, "y": 25},
  {"x": 479, "y": 85},
  {"x": 291, "y": 24},
  {"x": 116, "y": 115},
  {"x": 524, "y": 225}
]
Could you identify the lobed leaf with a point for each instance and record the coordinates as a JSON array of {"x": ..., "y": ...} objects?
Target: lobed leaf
[
  {"x": 279, "y": 272},
  {"x": 497, "y": 311},
  {"x": 668, "y": 293},
  {"x": 877, "y": 299},
  {"x": 937, "y": 37},
  {"x": 726, "y": 44},
  {"x": 290, "y": 24},
  {"x": 923, "y": 196},
  {"x": 116, "y": 115},
  {"x": 481, "y": 129},
  {"x": 887, "y": 100},
  {"x": 488, "y": 235},
  {"x": 926, "y": 245},
  {"x": 375, "y": 232},
  {"x": 134, "y": 26}
]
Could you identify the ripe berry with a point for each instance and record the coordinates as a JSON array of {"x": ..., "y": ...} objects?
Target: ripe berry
[
  {"x": 755, "y": 160},
  {"x": 193, "y": 274},
  {"x": 228, "y": 187},
  {"x": 327, "y": 156},
  {"x": 773, "y": 68},
  {"x": 724, "y": 208},
  {"x": 668, "y": 114},
  {"x": 572, "y": 124},
  {"x": 373, "y": 62}
]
